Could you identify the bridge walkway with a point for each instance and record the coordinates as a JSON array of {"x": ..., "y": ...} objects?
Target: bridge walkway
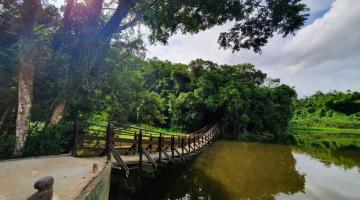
[
  {"x": 71, "y": 175},
  {"x": 128, "y": 145}
]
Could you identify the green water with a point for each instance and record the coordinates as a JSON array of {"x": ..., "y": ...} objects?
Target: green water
[{"x": 235, "y": 170}]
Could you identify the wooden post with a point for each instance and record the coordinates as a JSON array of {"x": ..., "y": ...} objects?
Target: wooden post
[
  {"x": 159, "y": 146},
  {"x": 150, "y": 145},
  {"x": 108, "y": 141},
  {"x": 189, "y": 143},
  {"x": 182, "y": 145},
  {"x": 194, "y": 142},
  {"x": 172, "y": 146},
  {"x": 75, "y": 138},
  {"x": 135, "y": 143},
  {"x": 140, "y": 149}
]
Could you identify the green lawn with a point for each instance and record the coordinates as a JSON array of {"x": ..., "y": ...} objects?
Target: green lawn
[{"x": 146, "y": 130}]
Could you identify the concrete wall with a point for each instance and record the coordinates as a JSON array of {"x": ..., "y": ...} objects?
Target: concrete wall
[{"x": 99, "y": 188}]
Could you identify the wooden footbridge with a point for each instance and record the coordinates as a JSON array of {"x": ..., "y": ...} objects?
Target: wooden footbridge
[
  {"x": 130, "y": 147},
  {"x": 97, "y": 149}
]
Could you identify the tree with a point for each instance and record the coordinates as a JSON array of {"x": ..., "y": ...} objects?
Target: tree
[
  {"x": 90, "y": 26},
  {"x": 255, "y": 21},
  {"x": 235, "y": 95},
  {"x": 22, "y": 22},
  {"x": 8, "y": 59},
  {"x": 89, "y": 29},
  {"x": 149, "y": 109},
  {"x": 26, "y": 71}
]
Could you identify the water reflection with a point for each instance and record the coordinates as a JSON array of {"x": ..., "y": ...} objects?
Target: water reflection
[
  {"x": 325, "y": 180},
  {"x": 235, "y": 170},
  {"x": 250, "y": 170},
  {"x": 343, "y": 158}
]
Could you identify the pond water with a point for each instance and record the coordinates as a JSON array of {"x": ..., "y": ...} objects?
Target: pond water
[{"x": 237, "y": 170}]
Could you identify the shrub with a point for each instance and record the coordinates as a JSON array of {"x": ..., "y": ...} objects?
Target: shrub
[
  {"x": 7, "y": 145},
  {"x": 56, "y": 139}
]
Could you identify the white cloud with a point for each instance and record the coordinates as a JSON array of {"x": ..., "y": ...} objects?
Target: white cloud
[
  {"x": 324, "y": 55},
  {"x": 334, "y": 36}
]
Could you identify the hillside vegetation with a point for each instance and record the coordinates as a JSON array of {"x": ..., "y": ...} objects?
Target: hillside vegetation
[{"x": 327, "y": 120}]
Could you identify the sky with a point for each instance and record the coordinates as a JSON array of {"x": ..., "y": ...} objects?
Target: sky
[{"x": 323, "y": 55}]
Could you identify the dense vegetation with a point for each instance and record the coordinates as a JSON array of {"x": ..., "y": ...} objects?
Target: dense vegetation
[
  {"x": 204, "y": 92},
  {"x": 173, "y": 96},
  {"x": 84, "y": 62},
  {"x": 330, "y": 120}
]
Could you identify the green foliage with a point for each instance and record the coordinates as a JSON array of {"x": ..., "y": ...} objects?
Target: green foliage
[
  {"x": 149, "y": 108},
  {"x": 204, "y": 92},
  {"x": 255, "y": 21},
  {"x": 7, "y": 145},
  {"x": 186, "y": 111},
  {"x": 91, "y": 61},
  {"x": 52, "y": 140},
  {"x": 333, "y": 109},
  {"x": 325, "y": 137},
  {"x": 330, "y": 120}
]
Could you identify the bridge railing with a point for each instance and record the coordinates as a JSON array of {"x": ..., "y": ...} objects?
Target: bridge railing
[{"x": 99, "y": 140}]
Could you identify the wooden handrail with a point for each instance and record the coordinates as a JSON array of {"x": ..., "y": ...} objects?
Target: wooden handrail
[{"x": 170, "y": 147}]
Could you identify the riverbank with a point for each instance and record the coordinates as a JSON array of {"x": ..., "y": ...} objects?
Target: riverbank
[{"x": 325, "y": 137}]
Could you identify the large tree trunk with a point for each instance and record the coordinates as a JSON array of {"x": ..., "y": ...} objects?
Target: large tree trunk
[
  {"x": 25, "y": 102},
  {"x": 26, "y": 72},
  {"x": 57, "y": 113}
]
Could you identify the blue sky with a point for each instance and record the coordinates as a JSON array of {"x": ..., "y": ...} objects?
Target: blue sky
[{"x": 323, "y": 55}]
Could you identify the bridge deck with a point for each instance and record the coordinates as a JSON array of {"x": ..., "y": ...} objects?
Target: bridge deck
[{"x": 71, "y": 175}]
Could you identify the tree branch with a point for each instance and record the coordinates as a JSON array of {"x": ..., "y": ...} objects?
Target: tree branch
[
  {"x": 67, "y": 13},
  {"x": 112, "y": 26},
  {"x": 129, "y": 24},
  {"x": 106, "y": 8}
]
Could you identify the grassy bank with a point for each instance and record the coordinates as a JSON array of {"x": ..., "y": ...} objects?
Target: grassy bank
[
  {"x": 325, "y": 137},
  {"x": 327, "y": 120}
]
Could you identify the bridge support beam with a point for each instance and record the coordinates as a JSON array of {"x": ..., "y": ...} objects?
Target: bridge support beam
[
  {"x": 140, "y": 148},
  {"x": 159, "y": 146}
]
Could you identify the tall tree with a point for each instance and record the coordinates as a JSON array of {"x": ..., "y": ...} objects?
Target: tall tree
[
  {"x": 26, "y": 71},
  {"x": 91, "y": 26}
]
